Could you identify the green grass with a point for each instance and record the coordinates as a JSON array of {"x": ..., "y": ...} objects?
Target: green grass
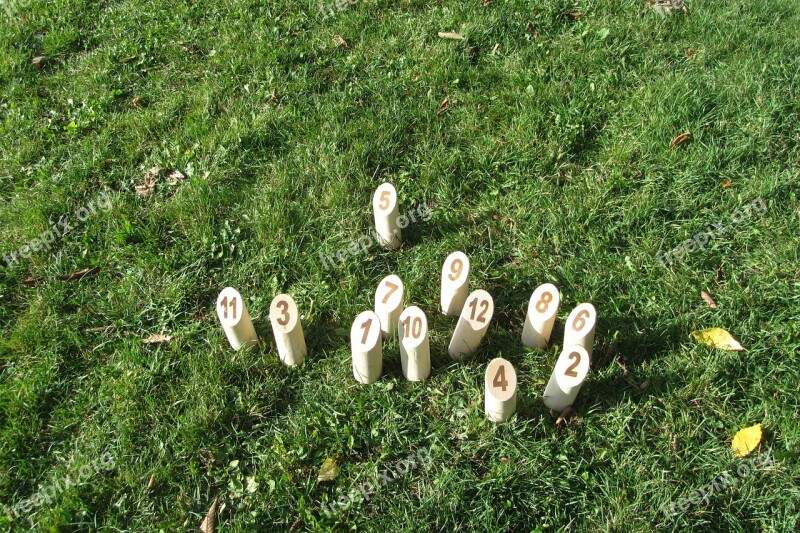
[{"x": 552, "y": 165}]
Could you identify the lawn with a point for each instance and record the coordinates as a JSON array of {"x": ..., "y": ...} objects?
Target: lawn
[{"x": 546, "y": 140}]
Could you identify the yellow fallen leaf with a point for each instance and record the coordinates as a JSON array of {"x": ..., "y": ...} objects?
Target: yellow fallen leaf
[
  {"x": 329, "y": 470},
  {"x": 746, "y": 440},
  {"x": 717, "y": 338}
]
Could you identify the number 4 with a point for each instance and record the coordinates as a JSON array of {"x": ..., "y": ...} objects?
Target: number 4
[{"x": 500, "y": 378}]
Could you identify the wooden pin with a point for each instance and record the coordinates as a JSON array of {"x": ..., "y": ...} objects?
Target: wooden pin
[
  {"x": 389, "y": 303},
  {"x": 541, "y": 316},
  {"x": 415, "y": 351},
  {"x": 365, "y": 339},
  {"x": 579, "y": 328},
  {"x": 568, "y": 376},
  {"x": 235, "y": 319},
  {"x": 387, "y": 216},
  {"x": 500, "y": 390},
  {"x": 288, "y": 330},
  {"x": 472, "y": 324},
  {"x": 455, "y": 283}
]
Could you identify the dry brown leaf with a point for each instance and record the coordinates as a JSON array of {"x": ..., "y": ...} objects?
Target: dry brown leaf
[
  {"x": 137, "y": 102},
  {"x": 574, "y": 16},
  {"x": 487, "y": 2},
  {"x": 445, "y": 105},
  {"x": 210, "y": 522},
  {"x": 30, "y": 282},
  {"x": 158, "y": 338},
  {"x": 79, "y": 274},
  {"x": 339, "y": 40},
  {"x": 668, "y": 7},
  {"x": 39, "y": 62},
  {"x": 707, "y": 297},
  {"x": 726, "y": 184},
  {"x": 151, "y": 482},
  {"x": 451, "y": 35},
  {"x": 101, "y": 329},
  {"x": 532, "y": 29},
  {"x": 175, "y": 176},
  {"x": 687, "y": 53},
  {"x": 628, "y": 375},
  {"x": 566, "y": 416},
  {"x": 150, "y": 179},
  {"x": 680, "y": 139},
  {"x": 273, "y": 97}
]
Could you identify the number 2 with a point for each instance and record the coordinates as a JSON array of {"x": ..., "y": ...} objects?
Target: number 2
[
  {"x": 571, "y": 370},
  {"x": 500, "y": 378}
]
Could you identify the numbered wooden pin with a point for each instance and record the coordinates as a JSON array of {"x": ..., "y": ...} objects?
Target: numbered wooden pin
[
  {"x": 580, "y": 327},
  {"x": 472, "y": 324},
  {"x": 387, "y": 215},
  {"x": 288, "y": 330},
  {"x": 501, "y": 390},
  {"x": 568, "y": 376},
  {"x": 365, "y": 339},
  {"x": 389, "y": 303},
  {"x": 415, "y": 351},
  {"x": 455, "y": 283},
  {"x": 541, "y": 316},
  {"x": 235, "y": 319}
]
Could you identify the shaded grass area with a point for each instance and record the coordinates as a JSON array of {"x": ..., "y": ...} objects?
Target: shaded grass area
[{"x": 551, "y": 165}]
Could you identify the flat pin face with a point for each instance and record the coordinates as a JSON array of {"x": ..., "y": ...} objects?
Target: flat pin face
[
  {"x": 385, "y": 199},
  {"x": 544, "y": 302},
  {"x": 572, "y": 367},
  {"x": 413, "y": 327},
  {"x": 366, "y": 331},
  {"x": 283, "y": 313},
  {"x": 479, "y": 309},
  {"x": 230, "y": 307},
  {"x": 501, "y": 379}
]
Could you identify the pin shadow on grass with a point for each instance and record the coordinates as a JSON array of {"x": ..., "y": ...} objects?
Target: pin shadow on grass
[
  {"x": 368, "y": 489},
  {"x": 682, "y": 251},
  {"x": 365, "y": 242}
]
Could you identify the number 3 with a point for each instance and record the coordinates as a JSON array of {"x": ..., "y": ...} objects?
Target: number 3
[{"x": 283, "y": 305}]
